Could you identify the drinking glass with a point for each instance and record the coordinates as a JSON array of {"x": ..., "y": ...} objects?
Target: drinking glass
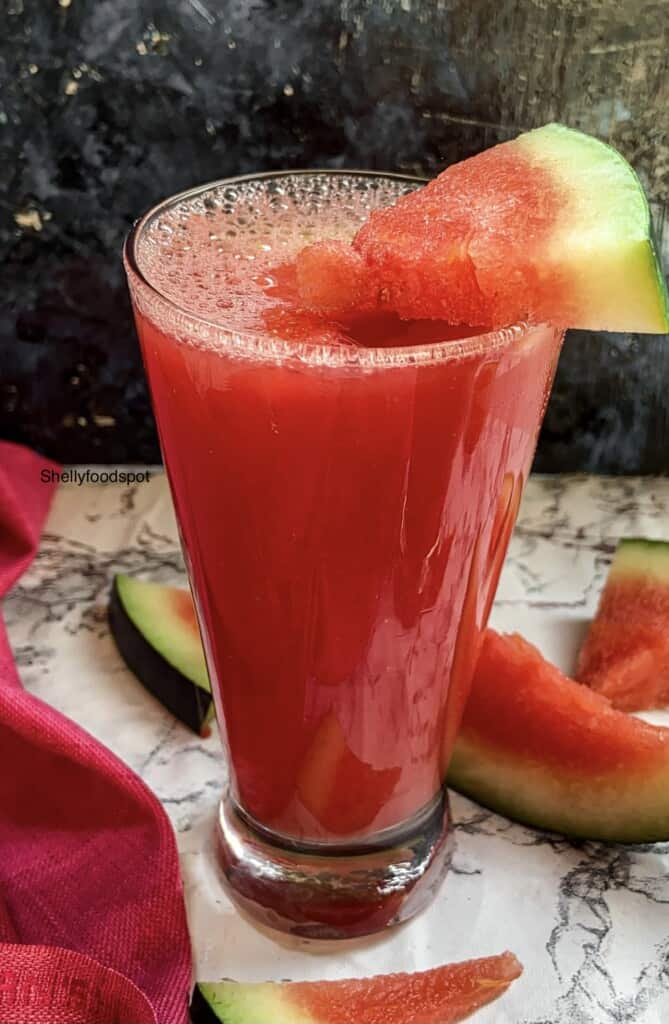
[{"x": 344, "y": 510}]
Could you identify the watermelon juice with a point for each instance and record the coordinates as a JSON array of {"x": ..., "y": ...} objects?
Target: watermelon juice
[{"x": 345, "y": 492}]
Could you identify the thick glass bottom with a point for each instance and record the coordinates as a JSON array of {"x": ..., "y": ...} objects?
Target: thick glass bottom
[{"x": 327, "y": 892}]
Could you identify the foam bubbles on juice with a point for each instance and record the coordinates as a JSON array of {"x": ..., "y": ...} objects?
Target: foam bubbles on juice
[{"x": 225, "y": 255}]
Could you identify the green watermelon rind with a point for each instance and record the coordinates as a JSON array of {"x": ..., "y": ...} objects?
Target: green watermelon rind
[
  {"x": 149, "y": 606},
  {"x": 524, "y": 793},
  {"x": 155, "y": 630},
  {"x": 641, "y": 557},
  {"x": 629, "y": 219},
  {"x": 653, "y": 252},
  {"x": 233, "y": 1003}
]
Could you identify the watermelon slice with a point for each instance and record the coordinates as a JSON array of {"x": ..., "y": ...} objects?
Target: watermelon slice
[
  {"x": 156, "y": 632},
  {"x": 625, "y": 656},
  {"x": 553, "y": 226},
  {"x": 440, "y": 996},
  {"x": 547, "y": 751}
]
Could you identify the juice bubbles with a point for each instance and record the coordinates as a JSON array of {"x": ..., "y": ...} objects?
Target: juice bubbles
[{"x": 345, "y": 492}]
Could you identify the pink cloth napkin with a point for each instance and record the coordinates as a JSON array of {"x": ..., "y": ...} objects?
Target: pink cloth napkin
[{"x": 92, "y": 921}]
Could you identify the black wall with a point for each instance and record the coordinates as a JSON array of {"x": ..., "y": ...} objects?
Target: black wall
[{"x": 109, "y": 105}]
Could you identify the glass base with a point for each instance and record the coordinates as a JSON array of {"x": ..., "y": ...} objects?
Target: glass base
[{"x": 325, "y": 892}]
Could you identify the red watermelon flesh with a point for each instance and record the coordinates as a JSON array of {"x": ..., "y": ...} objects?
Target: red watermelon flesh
[
  {"x": 443, "y": 995},
  {"x": 625, "y": 656},
  {"x": 438, "y": 256},
  {"x": 552, "y": 226},
  {"x": 545, "y": 750},
  {"x": 343, "y": 793},
  {"x": 329, "y": 270}
]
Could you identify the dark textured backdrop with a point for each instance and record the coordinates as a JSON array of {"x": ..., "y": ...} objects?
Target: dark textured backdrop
[{"x": 108, "y": 105}]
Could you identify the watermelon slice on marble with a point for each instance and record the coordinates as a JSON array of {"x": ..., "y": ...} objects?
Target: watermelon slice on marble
[
  {"x": 440, "y": 996},
  {"x": 625, "y": 656},
  {"x": 552, "y": 226},
  {"x": 544, "y": 750},
  {"x": 156, "y": 631}
]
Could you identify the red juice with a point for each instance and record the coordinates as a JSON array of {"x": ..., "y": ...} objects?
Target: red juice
[{"x": 345, "y": 493}]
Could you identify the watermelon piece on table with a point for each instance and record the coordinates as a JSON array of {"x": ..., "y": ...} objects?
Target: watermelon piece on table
[
  {"x": 552, "y": 226},
  {"x": 156, "y": 631},
  {"x": 625, "y": 656},
  {"x": 545, "y": 750},
  {"x": 440, "y": 996}
]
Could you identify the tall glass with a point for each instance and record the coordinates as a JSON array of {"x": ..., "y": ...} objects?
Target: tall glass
[{"x": 344, "y": 512}]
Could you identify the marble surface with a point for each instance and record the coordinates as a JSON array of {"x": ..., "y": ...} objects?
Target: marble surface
[{"x": 590, "y": 923}]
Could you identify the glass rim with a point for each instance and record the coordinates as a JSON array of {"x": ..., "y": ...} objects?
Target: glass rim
[{"x": 263, "y": 346}]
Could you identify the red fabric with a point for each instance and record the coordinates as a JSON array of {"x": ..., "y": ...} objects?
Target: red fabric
[{"x": 92, "y": 921}]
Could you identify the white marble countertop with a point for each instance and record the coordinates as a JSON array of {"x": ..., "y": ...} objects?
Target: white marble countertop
[{"x": 589, "y": 922}]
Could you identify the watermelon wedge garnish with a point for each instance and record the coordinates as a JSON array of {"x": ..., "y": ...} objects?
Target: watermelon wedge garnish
[
  {"x": 553, "y": 226},
  {"x": 440, "y": 996},
  {"x": 545, "y": 750},
  {"x": 625, "y": 656}
]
